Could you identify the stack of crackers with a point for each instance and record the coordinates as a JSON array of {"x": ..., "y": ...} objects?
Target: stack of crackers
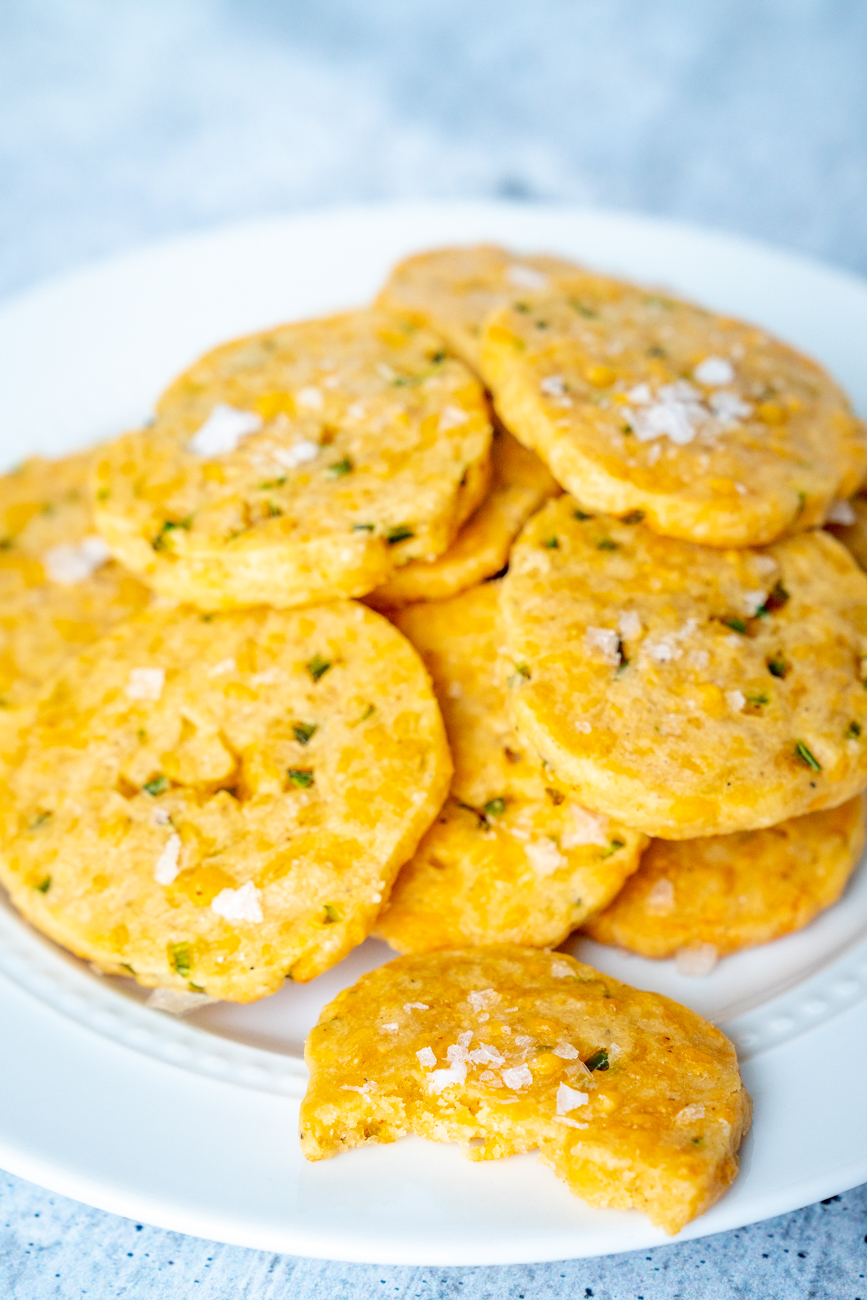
[{"x": 499, "y": 610}]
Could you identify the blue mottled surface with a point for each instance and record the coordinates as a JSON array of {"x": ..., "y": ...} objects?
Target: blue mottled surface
[{"x": 124, "y": 122}]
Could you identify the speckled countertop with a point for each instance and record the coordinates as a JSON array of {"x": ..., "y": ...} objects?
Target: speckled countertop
[{"x": 121, "y": 123}]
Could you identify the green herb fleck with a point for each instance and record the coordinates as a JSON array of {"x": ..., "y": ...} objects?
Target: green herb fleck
[
  {"x": 853, "y": 731},
  {"x": 606, "y": 544},
  {"x": 362, "y": 528},
  {"x": 156, "y": 785},
  {"x": 802, "y": 501},
  {"x": 495, "y": 807},
  {"x": 598, "y": 1061},
  {"x": 368, "y": 713},
  {"x": 438, "y": 357},
  {"x": 272, "y": 483},
  {"x": 736, "y": 624},
  {"x": 777, "y": 598},
  {"x": 103, "y": 494},
  {"x": 340, "y": 467},
  {"x": 398, "y": 534},
  {"x": 656, "y": 351},
  {"x": 522, "y": 307},
  {"x": 521, "y": 670},
  {"x": 551, "y": 543},
  {"x": 317, "y": 667},
  {"x": 162, "y": 539},
  {"x": 304, "y": 731},
  {"x": 582, "y": 308},
  {"x": 180, "y": 958},
  {"x": 332, "y": 914},
  {"x": 44, "y": 885},
  {"x": 301, "y": 776},
  {"x": 698, "y": 1141},
  {"x": 626, "y": 428},
  {"x": 758, "y": 698},
  {"x": 808, "y": 759},
  {"x": 207, "y": 618},
  {"x": 633, "y": 517},
  {"x": 612, "y": 848},
  {"x": 581, "y": 515},
  {"x": 778, "y": 666},
  {"x": 194, "y": 988},
  {"x": 274, "y": 512},
  {"x": 39, "y": 820}
]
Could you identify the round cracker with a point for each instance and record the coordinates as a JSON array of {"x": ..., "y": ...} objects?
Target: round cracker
[
  {"x": 453, "y": 289},
  {"x": 718, "y": 432},
  {"x": 520, "y": 484},
  {"x": 687, "y": 690},
  {"x": 634, "y": 1101},
  {"x": 221, "y": 802},
  {"x": 730, "y": 892},
  {"x": 512, "y": 857},
  {"x": 301, "y": 464},
  {"x": 59, "y": 588}
]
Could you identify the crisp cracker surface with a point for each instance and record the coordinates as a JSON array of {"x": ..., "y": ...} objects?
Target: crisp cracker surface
[
  {"x": 735, "y": 891},
  {"x": 512, "y": 857},
  {"x": 720, "y": 433},
  {"x": 520, "y": 484},
  {"x": 687, "y": 690},
  {"x": 222, "y": 801},
  {"x": 487, "y": 1047},
  {"x": 453, "y": 290},
  {"x": 44, "y": 505},
  {"x": 854, "y": 535},
  {"x": 372, "y": 450}
]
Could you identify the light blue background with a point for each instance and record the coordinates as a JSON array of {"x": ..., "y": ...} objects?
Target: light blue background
[{"x": 122, "y": 122}]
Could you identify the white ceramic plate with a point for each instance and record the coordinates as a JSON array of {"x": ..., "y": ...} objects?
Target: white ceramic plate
[{"x": 192, "y": 1124}]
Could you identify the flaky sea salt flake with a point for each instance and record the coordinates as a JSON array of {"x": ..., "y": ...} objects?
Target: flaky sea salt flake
[
  {"x": 223, "y": 430},
  {"x": 75, "y": 561},
  {"x": 145, "y": 683},
  {"x": 242, "y": 904}
]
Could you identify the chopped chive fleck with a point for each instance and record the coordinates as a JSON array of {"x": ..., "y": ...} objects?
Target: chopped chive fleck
[
  {"x": 522, "y": 307},
  {"x": 194, "y": 988},
  {"x": 736, "y": 624},
  {"x": 39, "y": 820},
  {"x": 340, "y": 467},
  {"x": 274, "y": 512},
  {"x": 541, "y": 324},
  {"x": 606, "y": 544},
  {"x": 301, "y": 776},
  {"x": 363, "y": 528},
  {"x": 398, "y": 534},
  {"x": 368, "y": 713},
  {"x": 317, "y": 667},
  {"x": 612, "y": 848},
  {"x": 272, "y": 483},
  {"x": 853, "y": 731},
  {"x": 44, "y": 885},
  {"x": 468, "y": 807},
  {"x": 808, "y": 759},
  {"x": 777, "y": 598},
  {"x": 207, "y": 618},
  {"x": 758, "y": 698},
  {"x": 162, "y": 539},
  {"x": 332, "y": 914},
  {"x": 551, "y": 543},
  {"x": 304, "y": 731},
  {"x": 438, "y": 357},
  {"x": 779, "y": 667},
  {"x": 656, "y": 351},
  {"x": 103, "y": 494},
  {"x": 633, "y": 517},
  {"x": 126, "y": 966},
  {"x": 697, "y": 1141},
  {"x": 521, "y": 670},
  {"x": 802, "y": 501},
  {"x": 156, "y": 785},
  {"x": 495, "y": 807},
  {"x": 581, "y": 308},
  {"x": 581, "y": 514},
  {"x": 626, "y": 428},
  {"x": 180, "y": 958},
  {"x": 598, "y": 1061}
]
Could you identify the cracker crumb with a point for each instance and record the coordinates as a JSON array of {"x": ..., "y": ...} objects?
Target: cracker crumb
[{"x": 697, "y": 960}]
